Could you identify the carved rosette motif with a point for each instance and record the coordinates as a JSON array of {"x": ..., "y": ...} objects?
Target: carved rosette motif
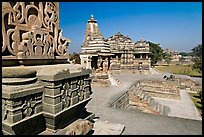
[{"x": 31, "y": 30}]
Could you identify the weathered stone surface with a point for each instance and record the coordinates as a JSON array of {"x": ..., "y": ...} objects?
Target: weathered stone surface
[
  {"x": 163, "y": 89},
  {"x": 79, "y": 127},
  {"x": 42, "y": 96},
  {"x": 22, "y": 104},
  {"x": 106, "y": 128},
  {"x": 31, "y": 34}
]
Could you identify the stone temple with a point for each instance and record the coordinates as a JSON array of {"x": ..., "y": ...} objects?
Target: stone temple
[
  {"x": 95, "y": 49},
  {"x": 117, "y": 53},
  {"x": 41, "y": 92}
]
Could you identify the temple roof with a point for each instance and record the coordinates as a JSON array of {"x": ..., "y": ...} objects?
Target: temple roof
[
  {"x": 92, "y": 20},
  {"x": 119, "y": 34}
]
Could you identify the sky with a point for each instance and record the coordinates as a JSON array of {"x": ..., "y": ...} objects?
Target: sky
[{"x": 174, "y": 25}]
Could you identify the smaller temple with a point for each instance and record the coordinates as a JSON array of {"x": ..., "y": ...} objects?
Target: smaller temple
[
  {"x": 95, "y": 52},
  {"x": 128, "y": 55},
  {"x": 141, "y": 55}
]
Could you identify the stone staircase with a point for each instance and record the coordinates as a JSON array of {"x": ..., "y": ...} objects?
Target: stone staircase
[
  {"x": 114, "y": 81},
  {"x": 146, "y": 103}
]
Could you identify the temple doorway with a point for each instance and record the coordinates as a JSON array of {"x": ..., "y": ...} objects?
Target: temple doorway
[{"x": 94, "y": 62}]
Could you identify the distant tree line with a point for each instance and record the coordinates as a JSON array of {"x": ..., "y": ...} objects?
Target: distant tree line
[
  {"x": 75, "y": 58},
  {"x": 197, "y": 54},
  {"x": 155, "y": 52}
]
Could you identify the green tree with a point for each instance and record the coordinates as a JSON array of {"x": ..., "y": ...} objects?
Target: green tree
[
  {"x": 185, "y": 53},
  {"x": 155, "y": 53},
  {"x": 167, "y": 57},
  {"x": 75, "y": 58},
  {"x": 197, "y": 57}
]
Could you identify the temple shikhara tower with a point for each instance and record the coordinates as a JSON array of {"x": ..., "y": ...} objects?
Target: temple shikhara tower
[
  {"x": 95, "y": 50},
  {"x": 116, "y": 53},
  {"x": 41, "y": 92}
]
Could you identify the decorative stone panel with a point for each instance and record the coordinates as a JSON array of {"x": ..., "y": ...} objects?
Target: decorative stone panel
[
  {"x": 30, "y": 31},
  {"x": 67, "y": 91},
  {"x": 21, "y": 102}
]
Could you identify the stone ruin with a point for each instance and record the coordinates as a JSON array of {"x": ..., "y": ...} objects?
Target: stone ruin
[{"x": 41, "y": 91}]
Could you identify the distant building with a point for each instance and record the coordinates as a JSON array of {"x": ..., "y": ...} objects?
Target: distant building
[
  {"x": 128, "y": 54},
  {"x": 174, "y": 54},
  {"x": 118, "y": 52},
  {"x": 95, "y": 50}
]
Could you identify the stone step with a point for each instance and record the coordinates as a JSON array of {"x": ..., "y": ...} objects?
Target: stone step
[
  {"x": 161, "y": 108},
  {"x": 152, "y": 102},
  {"x": 158, "y": 108},
  {"x": 166, "y": 110},
  {"x": 142, "y": 95},
  {"x": 145, "y": 97},
  {"x": 148, "y": 99},
  {"x": 155, "y": 106},
  {"x": 139, "y": 93}
]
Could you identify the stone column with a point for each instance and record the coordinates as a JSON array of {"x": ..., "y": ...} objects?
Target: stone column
[{"x": 146, "y": 56}]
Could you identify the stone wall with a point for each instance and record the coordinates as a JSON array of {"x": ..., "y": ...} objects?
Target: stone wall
[
  {"x": 189, "y": 84},
  {"x": 162, "y": 89}
]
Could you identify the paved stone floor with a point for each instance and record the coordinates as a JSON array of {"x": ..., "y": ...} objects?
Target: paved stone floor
[{"x": 139, "y": 123}]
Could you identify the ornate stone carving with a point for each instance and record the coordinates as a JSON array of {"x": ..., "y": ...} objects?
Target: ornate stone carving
[
  {"x": 66, "y": 95},
  {"x": 30, "y": 30},
  {"x": 28, "y": 106}
]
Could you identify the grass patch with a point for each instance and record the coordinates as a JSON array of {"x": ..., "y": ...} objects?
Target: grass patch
[
  {"x": 197, "y": 101},
  {"x": 179, "y": 69}
]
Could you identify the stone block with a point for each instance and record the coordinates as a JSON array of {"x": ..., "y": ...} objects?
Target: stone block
[
  {"x": 52, "y": 91},
  {"x": 30, "y": 126},
  {"x": 53, "y": 109},
  {"x": 38, "y": 108},
  {"x": 52, "y": 99},
  {"x": 14, "y": 117},
  {"x": 56, "y": 121},
  {"x": 79, "y": 127}
]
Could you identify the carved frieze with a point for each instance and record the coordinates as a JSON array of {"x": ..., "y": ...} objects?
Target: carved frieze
[{"x": 30, "y": 30}]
